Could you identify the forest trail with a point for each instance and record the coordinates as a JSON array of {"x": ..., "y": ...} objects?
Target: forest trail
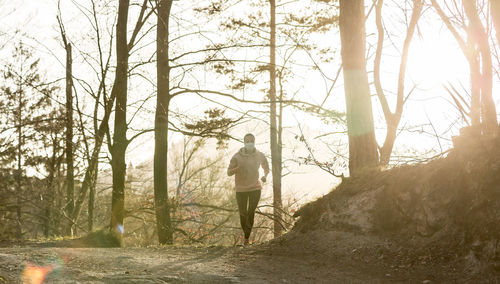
[
  {"x": 255, "y": 264},
  {"x": 167, "y": 265}
]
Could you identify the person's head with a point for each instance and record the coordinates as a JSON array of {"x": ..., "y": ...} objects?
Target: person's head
[{"x": 249, "y": 141}]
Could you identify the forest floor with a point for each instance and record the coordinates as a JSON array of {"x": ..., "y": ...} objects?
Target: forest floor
[{"x": 268, "y": 263}]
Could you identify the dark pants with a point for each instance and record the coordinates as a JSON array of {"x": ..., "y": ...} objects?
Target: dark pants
[{"x": 247, "y": 203}]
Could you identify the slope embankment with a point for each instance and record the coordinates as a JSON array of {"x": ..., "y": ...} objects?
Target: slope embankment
[{"x": 445, "y": 213}]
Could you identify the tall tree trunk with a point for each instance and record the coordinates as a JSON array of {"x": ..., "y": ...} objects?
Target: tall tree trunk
[
  {"x": 162, "y": 207},
  {"x": 70, "y": 185},
  {"x": 19, "y": 174},
  {"x": 360, "y": 126},
  {"x": 275, "y": 153},
  {"x": 120, "y": 130},
  {"x": 280, "y": 145},
  {"x": 480, "y": 37},
  {"x": 495, "y": 15}
]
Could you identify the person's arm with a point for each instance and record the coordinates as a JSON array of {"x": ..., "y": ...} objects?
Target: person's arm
[
  {"x": 265, "y": 166},
  {"x": 233, "y": 166}
]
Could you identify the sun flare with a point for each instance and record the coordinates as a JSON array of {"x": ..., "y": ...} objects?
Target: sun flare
[{"x": 435, "y": 62}]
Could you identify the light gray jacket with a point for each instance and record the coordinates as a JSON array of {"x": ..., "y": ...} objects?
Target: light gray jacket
[{"x": 247, "y": 175}]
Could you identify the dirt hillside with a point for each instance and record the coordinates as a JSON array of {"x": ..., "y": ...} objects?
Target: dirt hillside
[{"x": 442, "y": 217}]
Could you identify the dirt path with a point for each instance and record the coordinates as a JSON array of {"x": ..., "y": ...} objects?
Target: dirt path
[
  {"x": 255, "y": 264},
  {"x": 167, "y": 265}
]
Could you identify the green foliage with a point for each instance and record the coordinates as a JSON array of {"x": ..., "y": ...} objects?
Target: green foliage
[
  {"x": 101, "y": 239},
  {"x": 328, "y": 116},
  {"x": 7, "y": 204},
  {"x": 322, "y": 21},
  {"x": 31, "y": 136},
  {"x": 24, "y": 107},
  {"x": 213, "y": 125}
]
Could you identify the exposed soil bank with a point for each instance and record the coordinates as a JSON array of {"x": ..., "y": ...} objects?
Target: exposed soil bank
[{"x": 445, "y": 213}]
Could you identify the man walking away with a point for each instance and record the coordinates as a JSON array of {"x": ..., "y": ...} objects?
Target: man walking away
[{"x": 245, "y": 166}]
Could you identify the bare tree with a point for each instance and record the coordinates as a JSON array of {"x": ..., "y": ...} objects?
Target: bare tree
[
  {"x": 70, "y": 184},
  {"x": 393, "y": 118},
  {"x": 495, "y": 15},
  {"x": 101, "y": 128},
  {"x": 103, "y": 100},
  {"x": 119, "y": 147},
  {"x": 479, "y": 37},
  {"x": 275, "y": 152},
  {"x": 477, "y": 52},
  {"x": 103, "y": 59}
]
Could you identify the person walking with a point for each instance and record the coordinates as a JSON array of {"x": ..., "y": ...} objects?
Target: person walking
[{"x": 244, "y": 165}]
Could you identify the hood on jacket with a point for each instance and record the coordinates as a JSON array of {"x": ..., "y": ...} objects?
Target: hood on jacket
[{"x": 244, "y": 153}]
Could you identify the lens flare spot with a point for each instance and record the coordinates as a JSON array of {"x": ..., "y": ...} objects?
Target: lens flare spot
[
  {"x": 120, "y": 229},
  {"x": 34, "y": 274}
]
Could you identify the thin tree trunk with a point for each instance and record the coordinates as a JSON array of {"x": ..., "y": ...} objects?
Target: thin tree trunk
[
  {"x": 90, "y": 174},
  {"x": 162, "y": 207},
  {"x": 275, "y": 155},
  {"x": 73, "y": 207},
  {"x": 480, "y": 37},
  {"x": 495, "y": 15},
  {"x": 92, "y": 199},
  {"x": 58, "y": 202},
  {"x": 70, "y": 185},
  {"x": 49, "y": 197},
  {"x": 360, "y": 126},
  {"x": 393, "y": 119},
  {"x": 280, "y": 147},
  {"x": 471, "y": 54},
  {"x": 19, "y": 174},
  {"x": 48, "y": 211},
  {"x": 280, "y": 124},
  {"x": 120, "y": 130}
]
